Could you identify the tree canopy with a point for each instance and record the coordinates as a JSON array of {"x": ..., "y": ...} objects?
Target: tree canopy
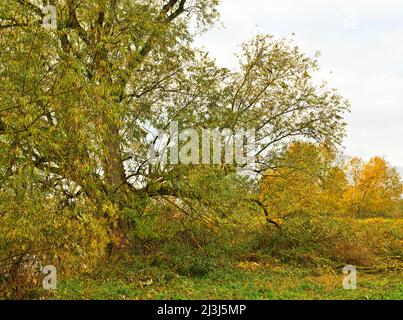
[{"x": 79, "y": 103}]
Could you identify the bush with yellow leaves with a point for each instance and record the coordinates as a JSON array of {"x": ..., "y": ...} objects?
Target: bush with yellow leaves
[{"x": 36, "y": 230}]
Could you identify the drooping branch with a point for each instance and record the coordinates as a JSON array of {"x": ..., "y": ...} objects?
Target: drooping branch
[{"x": 266, "y": 213}]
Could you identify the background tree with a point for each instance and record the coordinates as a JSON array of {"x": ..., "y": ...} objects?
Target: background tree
[
  {"x": 308, "y": 180},
  {"x": 375, "y": 188}
]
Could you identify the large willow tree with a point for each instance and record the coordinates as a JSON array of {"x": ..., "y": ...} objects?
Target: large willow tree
[{"x": 77, "y": 105}]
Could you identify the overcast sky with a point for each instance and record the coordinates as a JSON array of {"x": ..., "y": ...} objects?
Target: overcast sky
[{"x": 361, "y": 45}]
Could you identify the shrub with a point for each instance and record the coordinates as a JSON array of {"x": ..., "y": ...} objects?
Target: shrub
[
  {"x": 327, "y": 240},
  {"x": 36, "y": 231}
]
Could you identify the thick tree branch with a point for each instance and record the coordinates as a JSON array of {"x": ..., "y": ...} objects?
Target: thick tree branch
[
  {"x": 74, "y": 23},
  {"x": 31, "y": 6},
  {"x": 163, "y": 18}
]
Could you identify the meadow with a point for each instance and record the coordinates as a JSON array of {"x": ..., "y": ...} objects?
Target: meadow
[{"x": 181, "y": 272}]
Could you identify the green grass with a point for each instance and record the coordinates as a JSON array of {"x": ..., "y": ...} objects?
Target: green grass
[
  {"x": 254, "y": 266},
  {"x": 239, "y": 281}
]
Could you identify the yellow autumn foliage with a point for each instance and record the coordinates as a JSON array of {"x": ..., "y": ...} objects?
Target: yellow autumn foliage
[{"x": 310, "y": 180}]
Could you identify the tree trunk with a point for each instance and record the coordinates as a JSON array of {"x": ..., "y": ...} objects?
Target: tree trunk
[{"x": 115, "y": 177}]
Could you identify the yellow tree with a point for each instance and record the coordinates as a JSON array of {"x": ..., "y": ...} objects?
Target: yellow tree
[
  {"x": 333, "y": 187},
  {"x": 375, "y": 188},
  {"x": 307, "y": 181}
]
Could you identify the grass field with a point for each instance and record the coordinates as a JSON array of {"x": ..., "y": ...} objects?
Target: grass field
[
  {"x": 259, "y": 265},
  {"x": 249, "y": 280}
]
